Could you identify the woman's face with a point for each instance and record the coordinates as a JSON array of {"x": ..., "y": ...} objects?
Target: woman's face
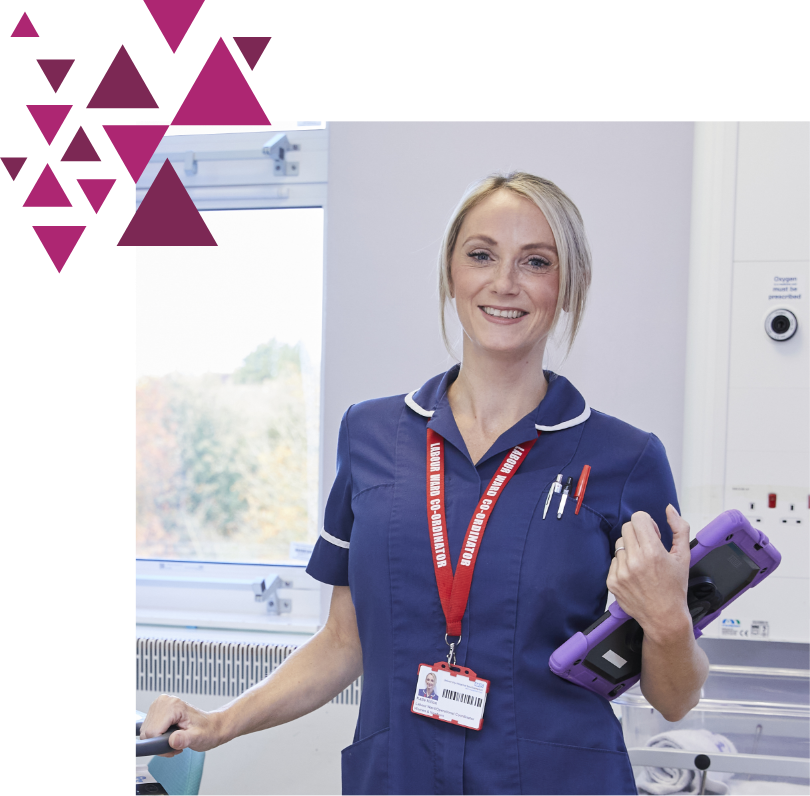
[
  {"x": 430, "y": 682},
  {"x": 505, "y": 275}
]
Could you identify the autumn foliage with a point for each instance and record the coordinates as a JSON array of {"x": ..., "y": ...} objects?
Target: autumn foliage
[{"x": 222, "y": 461}]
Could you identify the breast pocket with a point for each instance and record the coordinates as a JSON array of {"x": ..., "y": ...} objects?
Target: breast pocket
[{"x": 564, "y": 569}]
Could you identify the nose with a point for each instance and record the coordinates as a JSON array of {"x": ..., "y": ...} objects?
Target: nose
[{"x": 505, "y": 278}]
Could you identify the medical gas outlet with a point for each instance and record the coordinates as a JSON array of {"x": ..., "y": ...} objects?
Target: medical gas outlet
[{"x": 781, "y": 325}]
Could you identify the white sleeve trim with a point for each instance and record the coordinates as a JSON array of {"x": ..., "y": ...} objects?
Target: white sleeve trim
[
  {"x": 415, "y": 406},
  {"x": 334, "y": 540},
  {"x": 568, "y": 423}
]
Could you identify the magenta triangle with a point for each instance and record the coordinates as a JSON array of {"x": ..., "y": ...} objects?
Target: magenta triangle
[
  {"x": 135, "y": 144},
  {"x": 220, "y": 94},
  {"x": 55, "y": 70},
  {"x": 96, "y": 191},
  {"x": 167, "y": 216},
  {"x": 80, "y": 148},
  {"x": 252, "y": 47},
  {"x": 59, "y": 242},
  {"x": 25, "y": 28},
  {"x": 13, "y": 165},
  {"x": 47, "y": 192},
  {"x": 49, "y": 118},
  {"x": 174, "y": 18},
  {"x": 122, "y": 86}
]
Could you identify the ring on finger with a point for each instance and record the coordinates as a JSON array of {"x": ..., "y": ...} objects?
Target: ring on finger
[{"x": 619, "y": 548}]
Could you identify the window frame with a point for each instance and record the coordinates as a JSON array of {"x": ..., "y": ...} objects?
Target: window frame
[{"x": 228, "y": 171}]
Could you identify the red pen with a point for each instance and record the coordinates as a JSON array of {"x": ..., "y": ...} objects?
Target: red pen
[{"x": 581, "y": 484}]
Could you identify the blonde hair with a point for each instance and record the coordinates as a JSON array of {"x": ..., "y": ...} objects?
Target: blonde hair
[{"x": 566, "y": 224}]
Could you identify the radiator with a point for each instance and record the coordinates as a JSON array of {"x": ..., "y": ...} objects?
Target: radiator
[{"x": 216, "y": 668}]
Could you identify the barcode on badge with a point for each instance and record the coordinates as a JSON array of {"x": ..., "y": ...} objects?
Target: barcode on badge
[{"x": 467, "y": 699}]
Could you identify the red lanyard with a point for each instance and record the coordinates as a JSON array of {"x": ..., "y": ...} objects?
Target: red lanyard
[{"x": 454, "y": 591}]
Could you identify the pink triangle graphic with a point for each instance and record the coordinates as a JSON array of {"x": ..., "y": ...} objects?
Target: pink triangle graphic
[
  {"x": 25, "y": 28},
  {"x": 55, "y": 70},
  {"x": 122, "y": 86},
  {"x": 220, "y": 94},
  {"x": 167, "y": 216},
  {"x": 174, "y": 18},
  {"x": 252, "y": 47},
  {"x": 49, "y": 118},
  {"x": 59, "y": 242},
  {"x": 96, "y": 191},
  {"x": 13, "y": 165},
  {"x": 135, "y": 144},
  {"x": 80, "y": 148},
  {"x": 47, "y": 192}
]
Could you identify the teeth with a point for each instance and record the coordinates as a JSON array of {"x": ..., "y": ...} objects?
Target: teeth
[{"x": 503, "y": 313}]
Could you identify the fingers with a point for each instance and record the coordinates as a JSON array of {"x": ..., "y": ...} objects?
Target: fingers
[
  {"x": 163, "y": 712},
  {"x": 647, "y": 532},
  {"x": 629, "y": 538},
  {"x": 179, "y": 740},
  {"x": 680, "y": 530},
  {"x": 612, "y": 575}
]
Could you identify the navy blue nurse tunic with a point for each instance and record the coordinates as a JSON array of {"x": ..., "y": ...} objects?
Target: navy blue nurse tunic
[{"x": 536, "y": 582}]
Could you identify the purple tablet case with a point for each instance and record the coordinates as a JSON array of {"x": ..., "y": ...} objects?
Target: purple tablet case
[{"x": 728, "y": 558}]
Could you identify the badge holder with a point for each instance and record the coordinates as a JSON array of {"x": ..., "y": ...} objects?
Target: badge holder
[
  {"x": 458, "y": 695},
  {"x": 728, "y": 557}
]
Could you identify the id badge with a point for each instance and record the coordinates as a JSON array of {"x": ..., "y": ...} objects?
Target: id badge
[{"x": 452, "y": 694}]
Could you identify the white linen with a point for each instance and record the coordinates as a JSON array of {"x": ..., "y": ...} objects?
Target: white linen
[{"x": 659, "y": 781}]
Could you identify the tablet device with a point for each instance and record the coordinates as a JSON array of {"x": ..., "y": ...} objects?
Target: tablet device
[{"x": 728, "y": 558}]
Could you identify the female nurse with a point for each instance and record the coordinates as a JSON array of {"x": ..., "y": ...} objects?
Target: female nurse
[{"x": 496, "y": 580}]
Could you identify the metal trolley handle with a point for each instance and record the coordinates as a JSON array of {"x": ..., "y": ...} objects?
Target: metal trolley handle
[{"x": 153, "y": 746}]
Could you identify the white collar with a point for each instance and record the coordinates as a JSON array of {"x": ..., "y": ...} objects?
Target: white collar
[{"x": 574, "y": 421}]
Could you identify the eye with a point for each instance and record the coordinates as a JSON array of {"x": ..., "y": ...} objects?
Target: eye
[
  {"x": 479, "y": 256},
  {"x": 537, "y": 262}
]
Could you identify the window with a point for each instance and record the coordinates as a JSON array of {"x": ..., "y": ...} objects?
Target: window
[{"x": 229, "y": 362}]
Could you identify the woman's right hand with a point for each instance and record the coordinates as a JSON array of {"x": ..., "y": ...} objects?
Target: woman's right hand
[
  {"x": 315, "y": 673},
  {"x": 199, "y": 729}
]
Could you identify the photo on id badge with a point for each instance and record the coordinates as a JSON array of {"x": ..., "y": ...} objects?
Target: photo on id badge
[{"x": 456, "y": 697}]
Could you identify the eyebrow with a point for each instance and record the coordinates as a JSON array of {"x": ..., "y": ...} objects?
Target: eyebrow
[{"x": 492, "y": 242}]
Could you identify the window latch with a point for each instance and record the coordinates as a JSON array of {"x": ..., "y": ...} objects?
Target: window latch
[
  {"x": 265, "y": 592},
  {"x": 277, "y": 148}
]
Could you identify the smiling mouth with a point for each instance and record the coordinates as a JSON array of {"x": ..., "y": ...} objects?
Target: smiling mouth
[{"x": 495, "y": 313}]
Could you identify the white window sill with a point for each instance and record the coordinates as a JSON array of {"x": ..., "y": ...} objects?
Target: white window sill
[
  {"x": 226, "y": 621},
  {"x": 227, "y": 635}
]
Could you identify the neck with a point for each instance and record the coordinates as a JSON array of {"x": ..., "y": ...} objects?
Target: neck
[{"x": 493, "y": 391}]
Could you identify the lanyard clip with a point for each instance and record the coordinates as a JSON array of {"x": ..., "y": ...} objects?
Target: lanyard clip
[{"x": 451, "y": 656}]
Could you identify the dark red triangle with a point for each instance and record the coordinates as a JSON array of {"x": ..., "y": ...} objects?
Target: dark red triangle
[
  {"x": 80, "y": 149},
  {"x": 49, "y": 118},
  {"x": 135, "y": 144},
  {"x": 47, "y": 192},
  {"x": 167, "y": 216},
  {"x": 96, "y": 191},
  {"x": 174, "y": 18},
  {"x": 55, "y": 70},
  {"x": 122, "y": 86},
  {"x": 252, "y": 47},
  {"x": 13, "y": 165},
  {"x": 59, "y": 242}
]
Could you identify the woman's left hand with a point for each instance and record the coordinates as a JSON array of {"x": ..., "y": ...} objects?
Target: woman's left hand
[{"x": 648, "y": 581}]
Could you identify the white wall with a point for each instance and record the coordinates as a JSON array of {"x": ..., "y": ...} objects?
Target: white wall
[
  {"x": 746, "y": 433},
  {"x": 392, "y": 187}
]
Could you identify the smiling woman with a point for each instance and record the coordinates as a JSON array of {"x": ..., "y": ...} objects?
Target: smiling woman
[
  {"x": 559, "y": 244},
  {"x": 422, "y": 479}
]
